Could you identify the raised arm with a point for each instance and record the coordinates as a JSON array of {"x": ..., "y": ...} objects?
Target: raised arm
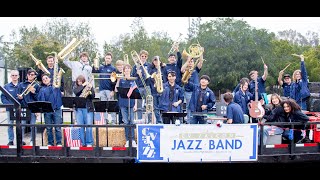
[
  {"x": 280, "y": 78},
  {"x": 265, "y": 73}
]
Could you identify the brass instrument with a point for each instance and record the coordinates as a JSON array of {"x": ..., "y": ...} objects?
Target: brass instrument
[
  {"x": 86, "y": 90},
  {"x": 157, "y": 76},
  {"x": 39, "y": 64},
  {"x": 69, "y": 48},
  {"x": 28, "y": 89},
  {"x": 96, "y": 62},
  {"x": 194, "y": 51},
  {"x": 175, "y": 44},
  {"x": 126, "y": 59},
  {"x": 149, "y": 98},
  {"x": 138, "y": 63}
]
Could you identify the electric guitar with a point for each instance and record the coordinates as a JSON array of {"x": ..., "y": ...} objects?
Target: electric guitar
[{"x": 256, "y": 110}]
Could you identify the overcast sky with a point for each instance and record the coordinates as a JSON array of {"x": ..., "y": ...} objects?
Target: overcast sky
[{"x": 108, "y": 28}]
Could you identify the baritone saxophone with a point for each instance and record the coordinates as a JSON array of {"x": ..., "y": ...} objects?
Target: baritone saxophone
[{"x": 96, "y": 61}]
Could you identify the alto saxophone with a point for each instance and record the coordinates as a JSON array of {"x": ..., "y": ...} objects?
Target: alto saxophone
[
  {"x": 86, "y": 90},
  {"x": 158, "y": 78}
]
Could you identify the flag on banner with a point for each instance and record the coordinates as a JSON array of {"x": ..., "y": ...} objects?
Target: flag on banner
[
  {"x": 72, "y": 136},
  {"x": 132, "y": 87},
  {"x": 99, "y": 118}
]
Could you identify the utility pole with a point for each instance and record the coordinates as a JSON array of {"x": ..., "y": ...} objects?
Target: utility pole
[{"x": 189, "y": 34}]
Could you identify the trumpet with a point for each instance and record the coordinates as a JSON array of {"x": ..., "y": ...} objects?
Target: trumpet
[
  {"x": 28, "y": 89},
  {"x": 39, "y": 64},
  {"x": 69, "y": 48},
  {"x": 175, "y": 44}
]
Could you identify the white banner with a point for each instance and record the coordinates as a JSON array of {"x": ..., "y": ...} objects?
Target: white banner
[{"x": 197, "y": 143}]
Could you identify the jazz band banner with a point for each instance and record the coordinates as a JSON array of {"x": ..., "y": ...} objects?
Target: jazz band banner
[{"x": 197, "y": 143}]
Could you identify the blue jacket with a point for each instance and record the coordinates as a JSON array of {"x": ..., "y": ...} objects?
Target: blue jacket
[
  {"x": 175, "y": 67},
  {"x": 134, "y": 73},
  {"x": 30, "y": 97},
  {"x": 243, "y": 100},
  {"x": 165, "y": 100},
  {"x": 209, "y": 99},
  {"x": 152, "y": 81},
  {"x": 13, "y": 90},
  {"x": 51, "y": 94},
  {"x": 299, "y": 90},
  {"x": 106, "y": 84}
]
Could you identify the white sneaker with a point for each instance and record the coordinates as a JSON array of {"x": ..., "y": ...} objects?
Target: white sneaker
[
  {"x": 134, "y": 144},
  {"x": 59, "y": 145},
  {"x": 31, "y": 143},
  {"x": 127, "y": 144},
  {"x": 89, "y": 145}
]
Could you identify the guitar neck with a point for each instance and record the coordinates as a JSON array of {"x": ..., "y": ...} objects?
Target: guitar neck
[{"x": 256, "y": 89}]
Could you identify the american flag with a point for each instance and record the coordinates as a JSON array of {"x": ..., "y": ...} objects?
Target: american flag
[
  {"x": 72, "y": 135},
  {"x": 132, "y": 87},
  {"x": 99, "y": 118}
]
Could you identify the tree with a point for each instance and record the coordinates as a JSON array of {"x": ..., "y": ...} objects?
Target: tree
[{"x": 232, "y": 50}]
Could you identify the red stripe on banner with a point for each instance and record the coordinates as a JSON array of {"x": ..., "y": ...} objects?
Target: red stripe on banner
[
  {"x": 4, "y": 147},
  {"x": 119, "y": 148},
  {"x": 281, "y": 145},
  {"x": 27, "y": 147},
  {"x": 86, "y": 148},
  {"x": 310, "y": 144},
  {"x": 55, "y": 147}
]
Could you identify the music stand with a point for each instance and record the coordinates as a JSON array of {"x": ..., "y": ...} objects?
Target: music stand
[
  {"x": 103, "y": 106},
  {"x": 68, "y": 102},
  {"x": 174, "y": 115},
  {"x": 40, "y": 106}
]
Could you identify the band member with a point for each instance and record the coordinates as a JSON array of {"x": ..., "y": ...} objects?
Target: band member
[
  {"x": 140, "y": 73},
  {"x": 194, "y": 78},
  {"x": 85, "y": 115},
  {"x": 285, "y": 83},
  {"x": 128, "y": 105},
  {"x": 156, "y": 81},
  {"x": 80, "y": 67},
  {"x": 29, "y": 95},
  {"x": 50, "y": 68},
  {"x": 274, "y": 113},
  {"x": 12, "y": 88},
  {"x": 299, "y": 90},
  {"x": 234, "y": 110},
  {"x": 171, "y": 98},
  {"x": 175, "y": 65},
  {"x": 202, "y": 99},
  {"x": 243, "y": 96},
  {"x": 106, "y": 86},
  {"x": 53, "y": 95},
  {"x": 119, "y": 66},
  {"x": 261, "y": 84}
]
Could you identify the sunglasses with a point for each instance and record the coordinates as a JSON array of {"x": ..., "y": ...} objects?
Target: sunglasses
[{"x": 14, "y": 75}]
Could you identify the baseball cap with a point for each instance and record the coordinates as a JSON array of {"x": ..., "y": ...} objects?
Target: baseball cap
[{"x": 287, "y": 75}]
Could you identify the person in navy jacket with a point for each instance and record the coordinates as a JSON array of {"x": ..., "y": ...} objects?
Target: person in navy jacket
[
  {"x": 172, "y": 97},
  {"x": 202, "y": 99},
  {"x": 12, "y": 88},
  {"x": 299, "y": 90},
  {"x": 32, "y": 96},
  {"x": 53, "y": 95}
]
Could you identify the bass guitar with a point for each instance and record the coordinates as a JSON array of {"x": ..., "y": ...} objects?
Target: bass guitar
[{"x": 256, "y": 110}]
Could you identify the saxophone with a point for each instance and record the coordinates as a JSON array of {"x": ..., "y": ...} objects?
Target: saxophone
[
  {"x": 57, "y": 72},
  {"x": 69, "y": 48},
  {"x": 158, "y": 78},
  {"x": 86, "y": 90}
]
